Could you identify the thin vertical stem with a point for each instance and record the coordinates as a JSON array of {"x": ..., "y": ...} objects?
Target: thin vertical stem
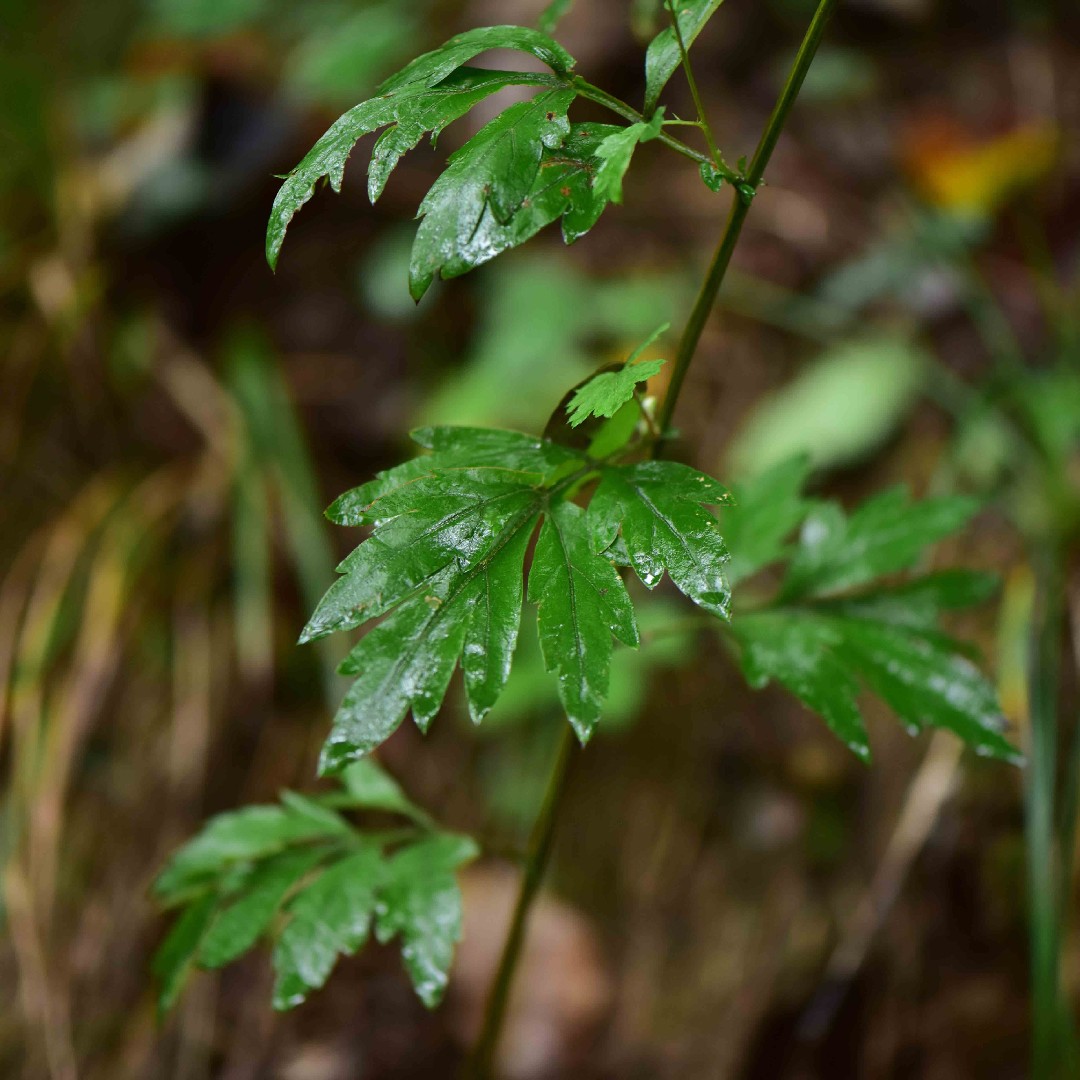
[
  {"x": 688, "y": 71},
  {"x": 483, "y": 1059},
  {"x": 740, "y": 208}
]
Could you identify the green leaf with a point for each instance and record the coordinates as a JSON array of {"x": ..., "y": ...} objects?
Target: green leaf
[
  {"x": 656, "y": 509},
  {"x": 490, "y": 176},
  {"x": 239, "y": 925},
  {"x": 331, "y": 917},
  {"x": 437, "y": 65},
  {"x": 606, "y": 393},
  {"x": 551, "y": 16},
  {"x": 411, "y": 111},
  {"x": 614, "y": 154},
  {"x": 421, "y": 901},
  {"x": 916, "y": 671},
  {"x": 712, "y": 177},
  {"x": 239, "y": 836},
  {"x": 800, "y": 652},
  {"x": 765, "y": 511},
  {"x": 174, "y": 959},
  {"x": 582, "y": 602},
  {"x": 563, "y": 187},
  {"x": 885, "y": 535},
  {"x": 664, "y": 56}
]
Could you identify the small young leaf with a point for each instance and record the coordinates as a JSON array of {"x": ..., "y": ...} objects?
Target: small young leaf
[
  {"x": 664, "y": 56},
  {"x": 173, "y": 960},
  {"x": 582, "y": 602},
  {"x": 239, "y": 925},
  {"x": 242, "y": 835},
  {"x": 656, "y": 507},
  {"x": 615, "y": 152},
  {"x": 420, "y": 900},
  {"x": 330, "y": 917},
  {"x": 492, "y": 173},
  {"x": 369, "y": 787},
  {"x": 606, "y": 393},
  {"x": 886, "y": 534},
  {"x": 713, "y": 178}
]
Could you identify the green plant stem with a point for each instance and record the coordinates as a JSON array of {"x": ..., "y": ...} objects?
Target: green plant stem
[
  {"x": 543, "y": 833},
  {"x": 483, "y": 1058},
  {"x": 699, "y": 106},
  {"x": 628, "y": 112},
  {"x": 739, "y": 209}
]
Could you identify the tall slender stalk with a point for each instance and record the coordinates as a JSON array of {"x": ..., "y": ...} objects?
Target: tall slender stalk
[{"x": 483, "y": 1058}]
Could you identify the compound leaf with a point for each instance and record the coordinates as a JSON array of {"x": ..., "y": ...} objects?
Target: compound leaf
[
  {"x": 663, "y": 56},
  {"x": 420, "y": 900},
  {"x": 582, "y": 602},
  {"x": 331, "y": 917},
  {"x": 656, "y": 509}
]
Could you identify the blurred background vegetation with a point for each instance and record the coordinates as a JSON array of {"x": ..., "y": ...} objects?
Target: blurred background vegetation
[{"x": 734, "y": 895}]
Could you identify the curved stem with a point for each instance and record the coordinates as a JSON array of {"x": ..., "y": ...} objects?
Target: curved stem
[
  {"x": 543, "y": 833},
  {"x": 740, "y": 208}
]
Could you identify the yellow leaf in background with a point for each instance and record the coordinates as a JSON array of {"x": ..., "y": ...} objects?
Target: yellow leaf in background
[{"x": 953, "y": 171}]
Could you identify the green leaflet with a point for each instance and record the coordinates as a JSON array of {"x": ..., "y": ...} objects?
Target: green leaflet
[
  {"x": 664, "y": 56},
  {"x": 239, "y": 925},
  {"x": 491, "y": 174},
  {"x": 316, "y": 897},
  {"x": 582, "y": 602},
  {"x": 242, "y": 835},
  {"x": 604, "y": 394},
  {"x": 435, "y": 66},
  {"x": 408, "y": 113},
  {"x": 615, "y": 152},
  {"x": 916, "y": 672},
  {"x": 655, "y": 507},
  {"x": 886, "y": 534},
  {"x": 329, "y": 918},
  {"x": 420, "y": 901}
]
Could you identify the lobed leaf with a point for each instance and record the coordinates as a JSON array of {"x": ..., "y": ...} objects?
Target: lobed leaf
[
  {"x": 655, "y": 507},
  {"x": 889, "y": 638},
  {"x": 331, "y": 917},
  {"x": 663, "y": 57},
  {"x": 582, "y": 602},
  {"x": 420, "y": 900},
  {"x": 408, "y": 112}
]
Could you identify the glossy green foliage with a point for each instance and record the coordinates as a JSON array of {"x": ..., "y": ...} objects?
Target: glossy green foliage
[
  {"x": 445, "y": 565},
  {"x": 655, "y": 509},
  {"x": 664, "y": 56},
  {"x": 301, "y": 875},
  {"x": 836, "y": 627}
]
